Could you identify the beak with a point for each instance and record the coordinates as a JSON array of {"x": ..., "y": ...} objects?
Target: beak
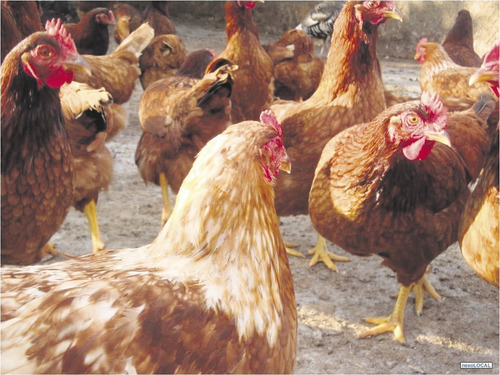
[
  {"x": 395, "y": 14},
  {"x": 286, "y": 164},
  {"x": 441, "y": 137},
  {"x": 77, "y": 63},
  {"x": 480, "y": 76}
]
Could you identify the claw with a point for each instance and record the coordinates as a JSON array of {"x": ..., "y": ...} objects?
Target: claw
[{"x": 322, "y": 254}]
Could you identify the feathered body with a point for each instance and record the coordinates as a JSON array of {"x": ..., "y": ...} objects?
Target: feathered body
[
  {"x": 372, "y": 195},
  {"x": 37, "y": 164},
  {"x": 298, "y": 77},
  {"x": 440, "y": 74},
  {"x": 195, "y": 300},
  {"x": 459, "y": 43},
  {"x": 350, "y": 91},
  {"x": 158, "y": 16},
  {"x": 127, "y": 18},
  {"x": 253, "y": 81},
  {"x": 179, "y": 115},
  {"x": 478, "y": 230},
  {"x": 161, "y": 58},
  {"x": 86, "y": 123},
  {"x": 319, "y": 22},
  {"x": 19, "y": 20}
]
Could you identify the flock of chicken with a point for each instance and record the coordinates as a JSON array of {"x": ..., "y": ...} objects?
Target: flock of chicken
[{"x": 401, "y": 178}]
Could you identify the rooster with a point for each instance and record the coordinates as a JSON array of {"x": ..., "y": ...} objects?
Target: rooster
[
  {"x": 440, "y": 74},
  {"x": 37, "y": 165},
  {"x": 179, "y": 115},
  {"x": 350, "y": 91},
  {"x": 253, "y": 81},
  {"x": 161, "y": 58},
  {"x": 213, "y": 296},
  {"x": 91, "y": 33},
  {"x": 459, "y": 43},
  {"x": 478, "y": 230},
  {"x": 396, "y": 187}
]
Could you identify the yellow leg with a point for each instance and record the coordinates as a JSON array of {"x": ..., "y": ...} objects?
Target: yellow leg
[
  {"x": 167, "y": 210},
  {"x": 392, "y": 323},
  {"x": 321, "y": 253},
  {"x": 419, "y": 288},
  {"x": 48, "y": 249},
  {"x": 90, "y": 212}
]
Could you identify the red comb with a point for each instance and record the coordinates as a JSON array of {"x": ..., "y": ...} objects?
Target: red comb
[
  {"x": 435, "y": 110},
  {"x": 268, "y": 118},
  {"x": 57, "y": 29},
  {"x": 492, "y": 57}
]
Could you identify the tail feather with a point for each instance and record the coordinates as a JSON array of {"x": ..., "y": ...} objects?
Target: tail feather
[{"x": 138, "y": 40}]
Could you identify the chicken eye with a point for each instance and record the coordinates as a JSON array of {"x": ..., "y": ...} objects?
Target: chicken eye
[
  {"x": 45, "y": 52},
  {"x": 372, "y": 4},
  {"x": 413, "y": 119}
]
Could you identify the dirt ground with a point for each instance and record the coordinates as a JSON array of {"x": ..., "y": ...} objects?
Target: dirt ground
[{"x": 461, "y": 328}]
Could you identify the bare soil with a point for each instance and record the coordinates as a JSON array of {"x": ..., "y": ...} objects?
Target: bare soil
[{"x": 463, "y": 327}]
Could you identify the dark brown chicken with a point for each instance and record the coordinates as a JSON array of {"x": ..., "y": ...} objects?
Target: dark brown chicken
[
  {"x": 161, "y": 58},
  {"x": 387, "y": 188},
  {"x": 158, "y": 17},
  {"x": 253, "y": 81},
  {"x": 84, "y": 111},
  {"x": 91, "y": 34},
  {"x": 19, "y": 20},
  {"x": 195, "y": 64},
  {"x": 179, "y": 115},
  {"x": 459, "y": 43},
  {"x": 351, "y": 91},
  {"x": 297, "y": 78},
  {"x": 478, "y": 231},
  {"x": 37, "y": 164}
]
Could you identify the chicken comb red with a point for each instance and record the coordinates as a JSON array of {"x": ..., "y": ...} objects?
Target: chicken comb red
[
  {"x": 492, "y": 57},
  {"x": 435, "y": 110},
  {"x": 57, "y": 29},
  {"x": 267, "y": 117}
]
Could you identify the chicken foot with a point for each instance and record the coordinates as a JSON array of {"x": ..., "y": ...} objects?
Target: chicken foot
[
  {"x": 321, "y": 253},
  {"x": 392, "y": 323},
  {"x": 419, "y": 288},
  {"x": 167, "y": 210},
  {"x": 90, "y": 212}
]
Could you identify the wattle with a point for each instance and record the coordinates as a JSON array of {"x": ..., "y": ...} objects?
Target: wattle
[
  {"x": 59, "y": 78},
  {"x": 418, "y": 150}
]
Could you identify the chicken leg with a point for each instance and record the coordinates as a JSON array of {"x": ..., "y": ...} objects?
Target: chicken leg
[
  {"x": 392, "y": 323},
  {"x": 321, "y": 253},
  {"x": 167, "y": 210},
  {"x": 90, "y": 212}
]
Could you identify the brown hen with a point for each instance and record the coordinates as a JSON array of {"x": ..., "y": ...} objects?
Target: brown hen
[
  {"x": 179, "y": 115},
  {"x": 193, "y": 301},
  {"x": 459, "y": 43},
  {"x": 161, "y": 58},
  {"x": 158, "y": 17},
  {"x": 478, "y": 230},
  {"x": 297, "y": 78},
  {"x": 37, "y": 165},
  {"x": 386, "y": 188},
  {"x": 127, "y": 18},
  {"x": 91, "y": 33},
  {"x": 350, "y": 91},
  {"x": 253, "y": 81},
  {"x": 84, "y": 110},
  {"x": 440, "y": 74}
]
